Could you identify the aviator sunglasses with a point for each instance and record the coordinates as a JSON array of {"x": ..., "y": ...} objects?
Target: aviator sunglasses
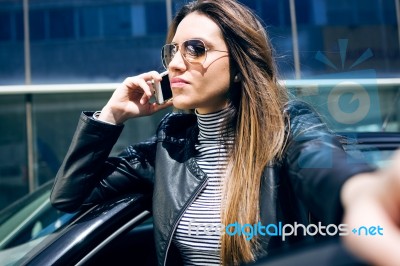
[{"x": 193, "y": 51}]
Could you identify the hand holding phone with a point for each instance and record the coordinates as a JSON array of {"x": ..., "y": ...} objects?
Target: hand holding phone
[{"x": 162, "y": 90}]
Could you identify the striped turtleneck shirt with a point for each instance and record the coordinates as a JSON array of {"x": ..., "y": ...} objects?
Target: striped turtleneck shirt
[{"x": 198, "y": 233}]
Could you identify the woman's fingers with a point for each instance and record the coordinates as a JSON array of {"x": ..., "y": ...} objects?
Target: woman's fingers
[
  {"x": 137, "y": 85},
  {"x": 132, "y": 98},
  {"x": 157, "y": 107},
  {"x": 145, "y": 99},
  {"x": 144, "y": 82}
]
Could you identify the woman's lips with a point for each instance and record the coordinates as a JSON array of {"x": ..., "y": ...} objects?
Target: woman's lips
[{"x": 178, "y": 82}]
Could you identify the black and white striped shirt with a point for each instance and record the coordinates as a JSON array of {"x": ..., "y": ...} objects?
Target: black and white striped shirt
[{"x": 198, "y": 233}]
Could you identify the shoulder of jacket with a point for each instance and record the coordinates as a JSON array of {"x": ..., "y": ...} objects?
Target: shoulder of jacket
[
  {"x": 301, "y": 111},
  {"x": 301, "y": 117},
  {"x": 297, "y": 107},
  {"x": 175, "y": 124}
]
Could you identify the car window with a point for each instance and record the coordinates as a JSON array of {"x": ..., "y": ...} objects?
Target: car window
[
  {"x": 10, "y": 256},
  {"x": 26, "y": 223}
]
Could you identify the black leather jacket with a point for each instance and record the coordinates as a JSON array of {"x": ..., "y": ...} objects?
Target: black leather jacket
[{"x": 304, "y": 184}]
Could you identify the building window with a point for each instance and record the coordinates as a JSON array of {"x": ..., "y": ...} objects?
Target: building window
[
  {"x": 5, "y": 26},
  {"x": 89, "y": 22},
  {"x": 138, "y": 20},
  {"x": 61, "y": 22},
  {"x": 37, "y": 25},
  {"x": 116, "y": 21},
  {"x": 156, "y": 18}
]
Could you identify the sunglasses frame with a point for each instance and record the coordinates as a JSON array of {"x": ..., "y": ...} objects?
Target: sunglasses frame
[{"x": 178, "y": 46}]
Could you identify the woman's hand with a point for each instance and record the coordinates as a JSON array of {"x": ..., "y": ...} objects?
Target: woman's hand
[
  {"x": 373, "y": 200},
  {"x": 132, "y": 99}
]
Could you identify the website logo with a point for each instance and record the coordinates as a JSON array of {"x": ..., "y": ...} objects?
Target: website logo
[
  {"x": 281, "y": 230},
  {"x": 347, "y": 100}
]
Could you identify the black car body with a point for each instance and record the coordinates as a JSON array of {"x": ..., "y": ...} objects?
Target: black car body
[{"x": 119, "y": 232}]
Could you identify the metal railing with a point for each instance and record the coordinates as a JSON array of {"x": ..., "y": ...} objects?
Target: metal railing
[{"x": 107, "y": 87}]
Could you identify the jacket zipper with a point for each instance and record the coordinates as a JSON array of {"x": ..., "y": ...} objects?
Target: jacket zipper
[{"x": 181, "y": 213}]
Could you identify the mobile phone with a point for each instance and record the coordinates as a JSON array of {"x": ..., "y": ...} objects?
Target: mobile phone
[{"x": 162, "y": 90}]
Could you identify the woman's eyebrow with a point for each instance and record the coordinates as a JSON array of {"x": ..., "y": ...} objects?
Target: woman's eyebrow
[{"x": 208, "y": 44}]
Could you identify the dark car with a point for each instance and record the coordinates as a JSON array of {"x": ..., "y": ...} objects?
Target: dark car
[
  {"x": 120, "y": 232},
  {"x": 33, "y": 232}
]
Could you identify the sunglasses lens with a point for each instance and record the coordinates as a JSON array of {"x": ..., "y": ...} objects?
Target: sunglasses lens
[
  {"x": 194, "y": 51},
  {"x": 167, "y": 54}
]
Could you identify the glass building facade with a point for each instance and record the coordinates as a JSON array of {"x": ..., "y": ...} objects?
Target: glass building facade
[{"x": 104, "y": 41}]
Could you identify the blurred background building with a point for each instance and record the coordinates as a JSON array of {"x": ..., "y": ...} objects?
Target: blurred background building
[{"x": 47, "y": 42}]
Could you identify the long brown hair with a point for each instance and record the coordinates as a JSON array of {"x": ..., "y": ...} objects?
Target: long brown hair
[{"x": 257, "y": 102}]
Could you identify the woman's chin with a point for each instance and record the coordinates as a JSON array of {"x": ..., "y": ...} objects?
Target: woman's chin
[{"x": 183, "y": 104}]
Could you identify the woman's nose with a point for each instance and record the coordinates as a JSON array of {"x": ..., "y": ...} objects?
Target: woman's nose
[{"x": 177, "y": 62}]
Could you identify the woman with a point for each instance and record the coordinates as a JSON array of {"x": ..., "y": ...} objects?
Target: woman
[{"x": 246, "y": 154}]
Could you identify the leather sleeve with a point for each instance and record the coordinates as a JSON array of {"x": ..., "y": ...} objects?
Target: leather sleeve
[
  {"x": 88, "y": 175},
  {"x": 317, "y": 164}
]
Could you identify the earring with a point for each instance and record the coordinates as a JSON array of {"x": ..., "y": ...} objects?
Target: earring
[{"x": 237, "y": 78}]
